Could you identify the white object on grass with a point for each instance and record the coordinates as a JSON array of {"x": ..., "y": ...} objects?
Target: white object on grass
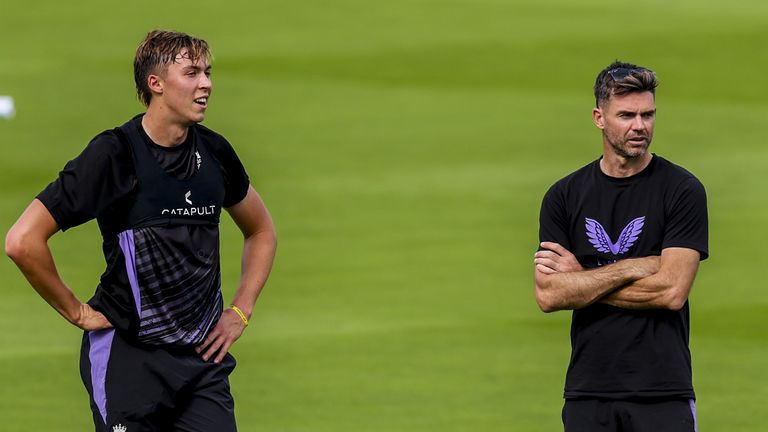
[{"x": 7, "y": 109}]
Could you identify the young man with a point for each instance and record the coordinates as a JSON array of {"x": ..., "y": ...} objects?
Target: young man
[
  {"x": 621, "y": 240},
  {"x": 155, "y": 349}
]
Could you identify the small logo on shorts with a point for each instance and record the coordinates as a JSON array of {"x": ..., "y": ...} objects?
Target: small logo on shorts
[{"x": 119, "y": 428}]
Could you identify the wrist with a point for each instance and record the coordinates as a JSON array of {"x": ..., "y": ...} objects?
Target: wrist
[
  {"x": 243, "y": 317},
  {"x": 73, "y": 313}
]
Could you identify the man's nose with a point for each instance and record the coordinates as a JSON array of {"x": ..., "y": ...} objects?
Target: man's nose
[{"x": 205, "y": 82}]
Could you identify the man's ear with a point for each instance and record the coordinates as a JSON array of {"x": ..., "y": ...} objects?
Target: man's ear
[
  {"x": 155, "y": 83},
  {"x": 597, "y": 117}
]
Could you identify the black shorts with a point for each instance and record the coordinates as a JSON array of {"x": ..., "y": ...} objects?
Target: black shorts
[
  {"x": 143, "y": 388},
  {"x": 602, "y": 415}
]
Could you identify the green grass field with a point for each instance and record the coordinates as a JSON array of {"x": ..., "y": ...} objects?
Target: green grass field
[{"x": 403, "y": 148}]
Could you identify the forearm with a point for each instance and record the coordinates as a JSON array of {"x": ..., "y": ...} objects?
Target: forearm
[
  {"x": 258, "y": 256},
  {"x": 666, "y": 289},
  {"x": 578, "y": 289},
  {"x": 36, "y": 263},
  {"x": 27, "y": 245},
  {"x": 649, "y": 293}
]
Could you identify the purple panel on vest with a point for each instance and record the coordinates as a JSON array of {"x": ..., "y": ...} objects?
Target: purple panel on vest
[
  {"x": 100, "y": 348},
  {"x": 129, "y": 252}
]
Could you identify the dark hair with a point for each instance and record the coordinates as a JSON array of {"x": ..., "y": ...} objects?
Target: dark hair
[
  {"x": 159, "y": 49},
  {"x": 620, "y": 78}
]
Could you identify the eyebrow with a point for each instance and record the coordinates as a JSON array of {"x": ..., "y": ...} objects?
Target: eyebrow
[
  {"x": 196, "y": 67},
  {"x": 653, "y": 111}
]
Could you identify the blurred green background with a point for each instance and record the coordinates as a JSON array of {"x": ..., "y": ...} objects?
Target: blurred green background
[{"x": 403, "y": 148}]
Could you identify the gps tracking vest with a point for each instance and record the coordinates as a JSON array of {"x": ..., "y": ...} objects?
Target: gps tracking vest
[{"x": 162, "y": 199}]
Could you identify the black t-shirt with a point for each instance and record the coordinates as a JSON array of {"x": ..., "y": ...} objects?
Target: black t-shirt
[
  {"x": 102, "y": 183},
  {"x": 620, "y": 353}
]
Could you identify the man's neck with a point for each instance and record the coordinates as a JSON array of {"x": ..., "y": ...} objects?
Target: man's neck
[
  {"x": 614, "y": 165},
  {"x": 162, "y": 130}
]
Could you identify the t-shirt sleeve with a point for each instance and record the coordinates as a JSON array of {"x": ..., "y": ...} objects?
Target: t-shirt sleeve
[
  {"x": 687, "y": 224},
  {"x": 235, "y": 177},
  {"x": 102, "y": 174},
  {"x": 553, "y": 219}
]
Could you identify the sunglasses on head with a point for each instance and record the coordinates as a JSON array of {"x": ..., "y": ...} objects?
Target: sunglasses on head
[{"x": 621, "y": 73}]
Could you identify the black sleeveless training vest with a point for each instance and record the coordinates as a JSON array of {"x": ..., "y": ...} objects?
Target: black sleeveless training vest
[
  {"x": 168, "y": 236},
  {"x": 162, "y": 199}
]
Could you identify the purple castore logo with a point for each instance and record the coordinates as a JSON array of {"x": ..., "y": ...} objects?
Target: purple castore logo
[{"x": 602, "y": 242}]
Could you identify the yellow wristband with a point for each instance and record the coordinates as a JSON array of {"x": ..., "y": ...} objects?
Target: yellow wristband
[{"x": 240, "y": 313}]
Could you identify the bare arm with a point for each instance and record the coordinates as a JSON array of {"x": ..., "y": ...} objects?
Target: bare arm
[
  {"x": 27, "y": 245},
  {"x": 260, "y": 243},
  {"x": 561, "y": 283},
  {"x": 666, "y": 289}
]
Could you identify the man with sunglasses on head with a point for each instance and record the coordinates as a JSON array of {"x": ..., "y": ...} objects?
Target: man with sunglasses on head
[
  {"x": 621, "y": 241},
  {"x": 155, "y": 350}
]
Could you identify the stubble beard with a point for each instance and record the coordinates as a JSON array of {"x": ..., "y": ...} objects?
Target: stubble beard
[{"x": 622, "y": 149}]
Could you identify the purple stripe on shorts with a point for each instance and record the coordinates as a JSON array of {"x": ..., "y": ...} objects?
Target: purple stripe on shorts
[
  {"x": 693, "y": 411},
  {"x": 100, "y": 348},
  {"x": 129, "y": 252}
]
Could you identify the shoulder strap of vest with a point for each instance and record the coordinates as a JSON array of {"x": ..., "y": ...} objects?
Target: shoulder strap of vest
[
  {"x": 142, "y": 157},
  {"x": 121, "y": 132},
  {"x": 131, "y": 132}
]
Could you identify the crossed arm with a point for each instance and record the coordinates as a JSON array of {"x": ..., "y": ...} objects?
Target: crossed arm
[{"x": 637, "y": 283}]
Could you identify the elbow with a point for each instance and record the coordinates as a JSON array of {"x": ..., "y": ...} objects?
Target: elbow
[
  {"x": 15, "y": 246},
  {"x": 265, "y": 237},
  {"x": 546, "y": 297},
  {"x": 545, "y": 301},
  {"x": 675, "y": 302},
  {"x": 546, "y": 307},
  {"x": 674, "y": 297},
  {"x": 274, "y": 239},
  {"x": 270, "y": 239}
]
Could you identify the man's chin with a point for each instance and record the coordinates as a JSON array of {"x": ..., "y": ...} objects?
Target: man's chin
[
  {"x": 630, "y": 151},
  {"x": 197, "y": 118}
]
